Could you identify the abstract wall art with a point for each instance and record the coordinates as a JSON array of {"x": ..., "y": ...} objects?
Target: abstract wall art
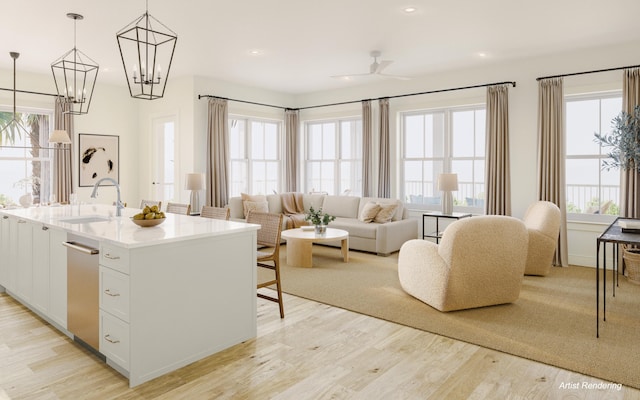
[{"x": 99, "y": 158}]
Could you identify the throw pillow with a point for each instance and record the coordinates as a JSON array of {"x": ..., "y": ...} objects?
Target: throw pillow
[
  {"x": 369, "y": 212},
  {"x": 386, "y": 213},
  {"x": 259, "y": 198},
  {"x": 257, "y": 206}
]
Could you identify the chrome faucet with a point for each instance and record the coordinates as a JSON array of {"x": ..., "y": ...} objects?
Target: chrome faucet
[{"x": 119, "y": 205}]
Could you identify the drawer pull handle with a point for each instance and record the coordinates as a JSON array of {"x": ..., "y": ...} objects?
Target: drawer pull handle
[
  {"x": 21, "y": 221},
  {"x": 109, "y": 293},
  {"x": 5, "y": 217},
  {"x": 108, "y": 339},
  {"x": 45, "y": 228},
  {"x": 110, "y": 257}
]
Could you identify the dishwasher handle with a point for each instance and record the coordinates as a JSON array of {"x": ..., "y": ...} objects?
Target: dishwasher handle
[{"x": 81, "y": 248}]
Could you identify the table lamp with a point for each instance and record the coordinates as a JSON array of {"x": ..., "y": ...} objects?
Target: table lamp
[
  {"x": 447, "y": 183},
  {"x": 59, "y": 137},
  {"x": 195, "y": 183}
]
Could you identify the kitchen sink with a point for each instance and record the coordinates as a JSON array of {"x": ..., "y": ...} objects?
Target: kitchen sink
[{"x": 85, "y": 219}]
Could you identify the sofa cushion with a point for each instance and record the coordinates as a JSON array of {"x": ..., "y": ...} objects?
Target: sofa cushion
[
  {"x": 355, "y": 228},
  {"x": 381, "y": 200},
  {"x": 275, "y": 203},
  {"x": 312, "y": 200},
  {"x": 386, "y": 213},
  {"x": 369, "y": 212},
  {"x": 341, "y": 206}
]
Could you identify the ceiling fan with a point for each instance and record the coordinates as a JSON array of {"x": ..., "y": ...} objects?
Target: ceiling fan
[{"x": 375, "y": 68}]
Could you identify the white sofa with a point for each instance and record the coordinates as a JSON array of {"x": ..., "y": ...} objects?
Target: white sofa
[{"x": 380, "y": 238}]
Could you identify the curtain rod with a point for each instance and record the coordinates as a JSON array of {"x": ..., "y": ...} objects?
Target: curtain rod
[
  {"x": 513, "y": 83},
  {"x": 586, "y": 72},
  {"x": 30, "y": 92}
]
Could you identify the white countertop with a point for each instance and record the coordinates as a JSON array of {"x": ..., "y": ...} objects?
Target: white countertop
[{"x": 122, "y": 231}]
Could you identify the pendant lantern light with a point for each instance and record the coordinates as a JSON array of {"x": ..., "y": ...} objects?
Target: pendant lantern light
[
  {"x": 75, "y": 75},
  {"x": 146, "y": 47}
]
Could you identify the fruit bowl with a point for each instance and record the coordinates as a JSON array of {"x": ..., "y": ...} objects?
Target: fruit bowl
[{"x": 145, "y": 223}]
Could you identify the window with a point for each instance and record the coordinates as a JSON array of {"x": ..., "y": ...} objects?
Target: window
[
  {"x": 334, "y": 156},
  {"x": 589, "y": 188},
  {"x": 26, "y": 169},
  {"x": 254, "y": 152},
  {"x": 444, "y": 140}
]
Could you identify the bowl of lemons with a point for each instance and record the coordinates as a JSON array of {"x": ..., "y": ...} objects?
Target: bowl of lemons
[{"x": 150, "y": 216}]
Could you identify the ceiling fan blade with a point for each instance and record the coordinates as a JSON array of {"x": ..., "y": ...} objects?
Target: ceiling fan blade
[
  {"x": 382, "y": 65},
  {"x": 349, "y": 75},
  {"x": 399, "y": 77}
]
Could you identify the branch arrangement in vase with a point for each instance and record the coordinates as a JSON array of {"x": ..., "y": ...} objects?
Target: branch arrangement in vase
[{"x": 316, "y": 217}]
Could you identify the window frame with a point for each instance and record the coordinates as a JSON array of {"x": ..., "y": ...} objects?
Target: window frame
[
  {"x": 355, "y": 187},
  {"x": 609, "y": 94},
  {"x": 447, "y": 159},
  {"x": 46, "y": 154},
  {"x": 248, "y": 161}
]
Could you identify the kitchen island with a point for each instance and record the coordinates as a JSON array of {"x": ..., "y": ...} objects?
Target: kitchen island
[{"x": 168, "y": 295}]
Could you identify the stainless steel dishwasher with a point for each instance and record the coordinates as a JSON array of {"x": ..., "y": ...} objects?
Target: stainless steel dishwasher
[{"x": 83, "y": 302}]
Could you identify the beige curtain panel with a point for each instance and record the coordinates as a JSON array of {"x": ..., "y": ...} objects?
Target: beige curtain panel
[
  {"x": 291, "y": 125},
  {"x": 63, "y": 156},
  {"x": 384, "y": 169},
  {"x": 217, "y": 193},
  {"x": 630, "y": 180},
  {"x": 367, "y": 162},
  {"x": 551, "y": 153},
  {"x": 497, "y": 169}
]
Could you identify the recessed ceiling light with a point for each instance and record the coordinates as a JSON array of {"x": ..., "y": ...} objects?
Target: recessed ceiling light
[
  {"x": 482, "y": 54},
  {"x": 409, "y": 10},
  {"x": 256, "y": 52}
]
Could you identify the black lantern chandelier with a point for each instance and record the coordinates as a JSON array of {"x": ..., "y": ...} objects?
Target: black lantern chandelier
[
  {"x": 146, "y": 47},
  {"x": 75, "y": 75}
]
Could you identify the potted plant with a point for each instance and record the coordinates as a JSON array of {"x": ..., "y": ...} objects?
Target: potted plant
[
  {"x": 318, "y": 219},
  {"x": 624, "y": 141},
  {"x": 27, "y": 199}
]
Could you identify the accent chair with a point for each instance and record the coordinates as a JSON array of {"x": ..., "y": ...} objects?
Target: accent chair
[
  {"x": 479, "y": 262},
  {"x": 542, "y": 220}
]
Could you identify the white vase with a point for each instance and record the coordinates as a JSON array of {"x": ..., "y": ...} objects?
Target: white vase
[{"x": 26, "y": 200}]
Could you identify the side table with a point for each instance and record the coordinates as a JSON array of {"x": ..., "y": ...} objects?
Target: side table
[{"x": 438, "y": 215}]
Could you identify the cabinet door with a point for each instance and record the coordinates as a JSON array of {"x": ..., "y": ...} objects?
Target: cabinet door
[
  {"x": 24, "y": 282},
  {"x": 40, "y": 268},
  {"x": 58, "y": 277},
  {"x": 4, "y": 251}
]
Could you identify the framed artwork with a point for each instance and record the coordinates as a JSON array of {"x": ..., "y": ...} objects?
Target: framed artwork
[{"x": 99, "y": 158}]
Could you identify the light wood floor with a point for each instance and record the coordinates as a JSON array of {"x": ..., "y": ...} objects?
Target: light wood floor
[{"x": 316, "y": 352}]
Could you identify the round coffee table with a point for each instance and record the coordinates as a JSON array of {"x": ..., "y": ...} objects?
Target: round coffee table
[{"x": 300, "y": 243}]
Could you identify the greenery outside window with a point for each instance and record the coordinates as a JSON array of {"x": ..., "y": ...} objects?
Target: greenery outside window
[{"x": 26, "y": 167}]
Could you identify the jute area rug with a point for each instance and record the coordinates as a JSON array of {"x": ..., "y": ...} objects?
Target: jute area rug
[{"x": 552, "y": 322}]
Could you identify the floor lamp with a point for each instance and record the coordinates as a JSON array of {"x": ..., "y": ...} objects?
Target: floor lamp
[
  {"x": 195, "y": 183},
  {"x": 447, "y": 183}
]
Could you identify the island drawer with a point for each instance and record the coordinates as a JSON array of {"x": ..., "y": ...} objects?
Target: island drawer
[
  {"x": 114, "y": 339},
  {"x": 114, "y": 293},
  {"x": 114, "y": 257}
]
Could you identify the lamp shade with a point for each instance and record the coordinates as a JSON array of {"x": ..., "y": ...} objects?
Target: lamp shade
[
  {"x": 59, "y": 136},
  {"x": 448, "y": 182},
  {"x": 194, "y": 182}
]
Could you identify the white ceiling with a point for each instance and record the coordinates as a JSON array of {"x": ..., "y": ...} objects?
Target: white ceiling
[{"x": 304, "y": 42}]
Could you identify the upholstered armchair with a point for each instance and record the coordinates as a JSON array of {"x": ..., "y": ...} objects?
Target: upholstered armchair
[
  {"x": 542, "y": 220},
  {"x": 479, "y": 262}
]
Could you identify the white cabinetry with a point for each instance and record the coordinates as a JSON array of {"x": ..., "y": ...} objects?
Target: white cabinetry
[
  {"x": 114, "y": 305},
  {"x": 24, "y": 281},
  {"x": 58, "y": 277},
  {"x": 4, "y": 251},
  {"x": 41, "y": 273}
]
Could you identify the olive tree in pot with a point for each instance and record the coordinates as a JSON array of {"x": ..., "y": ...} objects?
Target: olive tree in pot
[{"x": 624, "y": 144}]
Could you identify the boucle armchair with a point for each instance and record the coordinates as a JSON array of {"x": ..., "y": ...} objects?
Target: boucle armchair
[
  {"x": 479, "y": 262},
  {"x": 542, "y": 220}
]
